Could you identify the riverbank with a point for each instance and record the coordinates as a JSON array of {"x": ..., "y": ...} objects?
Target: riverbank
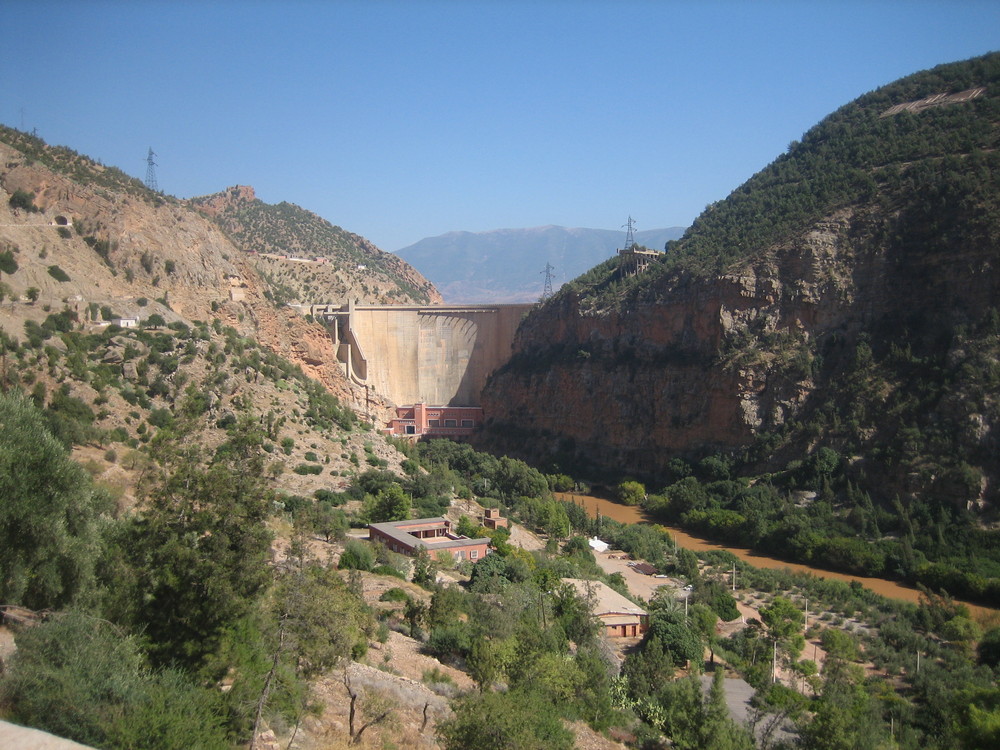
[{"x": 599, "y": 506}]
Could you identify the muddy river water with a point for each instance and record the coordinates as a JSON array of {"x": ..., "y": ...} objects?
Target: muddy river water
[{"x": 630, "y": 514}]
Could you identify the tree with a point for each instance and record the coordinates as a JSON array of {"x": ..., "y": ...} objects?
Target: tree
[
  {"x": 49, "y": 513},
  {"x": 631, "y": 492},
  {"x": 489, "y": 659},
  {"x": 446, "y": 605},
  {"x": 424, "y": 568},
  {"x": 717, "y": 730},
  {"x": 391, "y": 503},
  {"x": 314, "y": 622},
  {"x": 682, "y": 642},
  {"x": 782, "y": 618},
  {"x": 988, "y": 650},
  {"x": 195, "y": 561},
  {"x": 704, "y": 621},
  {"x": 648, "y": 668},
  {"x": 32, "y": 293},
  {"x": 154, "y": 321}
]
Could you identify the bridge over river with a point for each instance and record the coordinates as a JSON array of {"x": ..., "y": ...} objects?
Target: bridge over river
[{"x": 432, "y": 354}]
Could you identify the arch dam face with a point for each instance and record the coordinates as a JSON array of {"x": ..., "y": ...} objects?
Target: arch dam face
[{"x": 432, "y": 354}]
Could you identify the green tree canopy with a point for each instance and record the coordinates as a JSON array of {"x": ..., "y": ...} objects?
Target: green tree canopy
[
  {"x": 195, "y": 561},
  {"x": 49, "y": 513}
]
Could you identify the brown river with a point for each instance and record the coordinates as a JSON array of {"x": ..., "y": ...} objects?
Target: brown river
[{"x": 630, "y": 514}]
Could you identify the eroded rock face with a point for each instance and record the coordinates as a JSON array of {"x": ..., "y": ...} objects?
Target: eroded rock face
[{"x": 692, "y": 365}]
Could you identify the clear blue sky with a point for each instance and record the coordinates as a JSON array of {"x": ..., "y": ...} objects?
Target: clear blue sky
[{"x": 402, "y": 120}]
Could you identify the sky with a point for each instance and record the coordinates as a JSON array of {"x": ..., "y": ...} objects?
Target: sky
[{"x": 403, "y": 120}]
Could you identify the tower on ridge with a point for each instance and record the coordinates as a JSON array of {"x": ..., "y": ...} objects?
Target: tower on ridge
[
  {"x": 629, "y": 234},
  {"x": 547, "y": 289},
  {"x": 151, "y": 172}
]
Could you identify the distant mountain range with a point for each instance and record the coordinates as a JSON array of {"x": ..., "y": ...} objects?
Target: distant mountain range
[{"x": 508, "y": 265}]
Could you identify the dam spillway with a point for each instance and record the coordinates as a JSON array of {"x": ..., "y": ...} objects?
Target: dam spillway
[{"x": 433, "y": 354}]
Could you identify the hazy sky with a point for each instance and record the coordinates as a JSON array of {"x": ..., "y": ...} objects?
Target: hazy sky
[{"x": 402, "y": 120}]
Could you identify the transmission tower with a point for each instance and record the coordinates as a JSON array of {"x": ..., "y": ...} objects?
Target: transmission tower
[
  {"x": 547, "y": 289},
  {"x": 629, "y": 234},
  {"x": 151, "y": 172}
]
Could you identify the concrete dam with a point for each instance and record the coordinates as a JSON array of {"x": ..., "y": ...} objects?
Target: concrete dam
[{"x": 432, "y": 354}]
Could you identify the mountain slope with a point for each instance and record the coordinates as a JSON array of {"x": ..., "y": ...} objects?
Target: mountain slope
[
  {"x": 353, "y": 268},
  {"x": 82, "y": 244},
  {"x": 837, "y": 309},
  {"x": 507, "y": 265}
]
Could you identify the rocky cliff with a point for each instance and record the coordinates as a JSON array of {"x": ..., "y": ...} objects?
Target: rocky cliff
[{"x": 843, "y": 297}]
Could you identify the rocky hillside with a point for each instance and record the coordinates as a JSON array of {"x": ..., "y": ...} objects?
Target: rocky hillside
[
  {"x": 83, "y": 246},
  {"x": 844, "y": 299},
  {"x": 305, "y": 259}
]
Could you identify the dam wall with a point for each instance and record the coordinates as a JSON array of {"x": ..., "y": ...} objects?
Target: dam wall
[{"x": 433, "y": 354}]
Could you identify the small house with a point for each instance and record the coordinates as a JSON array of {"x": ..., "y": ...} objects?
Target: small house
[{"x": 619, "y": 616}]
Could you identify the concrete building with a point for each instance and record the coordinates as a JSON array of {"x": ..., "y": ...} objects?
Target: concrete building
[
  {"x": 634, "y": 260},
  {"x": 433, "y": 534},
  {"x": 435, "y": 421},
  {"x": 619, "y": 617},
  {"x": 493, "y": 520}
]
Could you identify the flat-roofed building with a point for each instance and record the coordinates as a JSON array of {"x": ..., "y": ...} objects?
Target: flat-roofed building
[
  {"x": 619, "y": 616},
  {"x": 433, "y": 534},
  {"x": 435, "y": 421}
]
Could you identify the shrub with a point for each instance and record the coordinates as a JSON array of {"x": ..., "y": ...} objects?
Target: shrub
[
  {"x": 388, "y": 570},
  {"x": 394, "y": 594},
  {"x": 357, "y": 556},
  {"x": 22, "y": 199},
  {"x": 8, "y": 264},
  {"x": 58, "y": 274},
  {"x": 161, "y": 418},
  {"x": 80, "y": 678}
]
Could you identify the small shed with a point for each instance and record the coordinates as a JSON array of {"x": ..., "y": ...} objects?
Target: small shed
[{"x": 597, "y": 545}]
